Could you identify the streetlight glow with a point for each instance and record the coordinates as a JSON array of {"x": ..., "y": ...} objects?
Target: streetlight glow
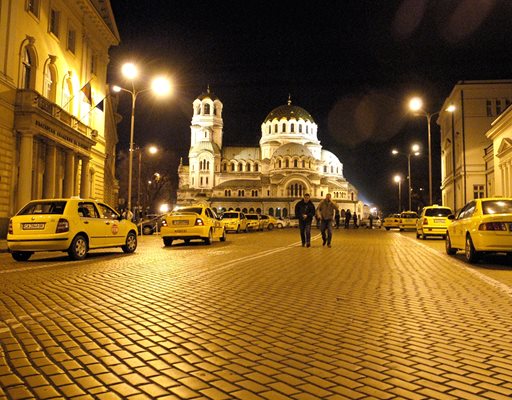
[
  {"x": 129, "y": 71},
  {"x": 416, "y": 104},
  {"x": 116, "y": 88},
  {"x": 451, "y": 108},
  {"x": 152, "y": 149},
  {"x": 415, "y": 148},
  {"x": 397, "y": 178},
  {"x": 161, "y": 86}
]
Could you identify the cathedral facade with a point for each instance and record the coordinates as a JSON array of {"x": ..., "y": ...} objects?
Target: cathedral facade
[{"x": 267, "y": 179}]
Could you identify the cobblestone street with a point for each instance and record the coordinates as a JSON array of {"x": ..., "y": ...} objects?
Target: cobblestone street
[{"x": 377, "y": 316}]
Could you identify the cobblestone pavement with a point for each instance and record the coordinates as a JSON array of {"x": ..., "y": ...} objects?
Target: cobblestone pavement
[{"x": 377, "y": 316}]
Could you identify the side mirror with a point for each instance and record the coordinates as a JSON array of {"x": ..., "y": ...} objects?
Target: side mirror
[{"x": 451, "y": 217}]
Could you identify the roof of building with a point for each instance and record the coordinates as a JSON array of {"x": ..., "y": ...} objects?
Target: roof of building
[
  {"x": 288, "y": 111},
  {"x": 292, "y": 149},
  {"x": 237, "y": 183},
  {"x": 207, "y": 95}
]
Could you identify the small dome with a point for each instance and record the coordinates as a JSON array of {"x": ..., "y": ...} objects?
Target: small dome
[
  {"x": 207, "y": 95},
  {"x": 292, "y": 149},
  {"x": 289, "y": 112}
]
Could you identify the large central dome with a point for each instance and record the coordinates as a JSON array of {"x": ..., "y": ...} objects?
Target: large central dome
[{"x": 289, "y": 112}]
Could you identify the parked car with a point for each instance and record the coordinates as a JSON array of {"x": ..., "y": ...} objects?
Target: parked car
[
  {"x": 391, "y": 221},
  {"x": 72, "y": 225},
  {"x": 365, "y": 222},
  {"x": 150, "y": 225},
  {"x": 270, "y": 222},
  {"x": 408, "y": 220},
  {"x": 190, "y": 223},
  {"x": 481, "y": 226},
  {"x": 254, "y": 222},
  {"x": 234, "y": 221},
  {"x": 433, "y": 221}
]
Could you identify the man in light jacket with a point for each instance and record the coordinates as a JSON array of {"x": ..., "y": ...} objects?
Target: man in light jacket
[{"x": 325, "y": 211}]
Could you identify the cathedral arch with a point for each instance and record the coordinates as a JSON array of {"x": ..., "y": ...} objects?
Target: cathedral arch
[
  {"x": 206, "y": 108},
  {"x": 295, "y": 189},
  {"x": 271, "y": 211},
  {"x": 295, "y": 163}
]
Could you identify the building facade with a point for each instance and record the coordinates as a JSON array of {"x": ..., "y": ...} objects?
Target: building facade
[
  {"x": 57, "y": 124},
  {"x": 468, "y": 155},
  {"x": 268, "y": 178}
]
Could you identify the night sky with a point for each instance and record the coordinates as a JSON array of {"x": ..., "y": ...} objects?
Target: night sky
[{"x": 352, "y": 64}]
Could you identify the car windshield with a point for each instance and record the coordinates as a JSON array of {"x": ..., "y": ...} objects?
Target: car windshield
[
  {"x": 409, "y": 215},
  {"x": 230, "y": 215},
  {"x": 249, "y": 216},
  {"x": 497, "y": 207},
  {"x": 197, "y": 210},
  {"x": 43, "y": 207},
  {"x": 437, "y": 212}
]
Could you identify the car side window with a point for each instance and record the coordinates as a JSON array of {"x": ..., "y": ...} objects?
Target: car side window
[
  {"x": 87, "y": 210},
  {"x": 107, "y": 212}
]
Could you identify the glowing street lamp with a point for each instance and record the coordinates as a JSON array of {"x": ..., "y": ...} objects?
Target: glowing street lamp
[
  {"x": 161, "y": 87},
  {"x": 416, "y": 105}
]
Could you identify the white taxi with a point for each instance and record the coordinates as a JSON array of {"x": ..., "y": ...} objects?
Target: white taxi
[
  {"x": 72, "y": 225},
  {"x": 192, "y": 222}
]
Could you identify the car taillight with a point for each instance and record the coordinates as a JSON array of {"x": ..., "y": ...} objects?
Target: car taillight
[
  {"x": 62, "y": 226},
  {"x": 493, "y": 226},
  {"x": 199, "y": 222},
  {"x": 425, "y": 221},
  {"x": 164, "y": 222},
  {"x": 10, "y": 227}
]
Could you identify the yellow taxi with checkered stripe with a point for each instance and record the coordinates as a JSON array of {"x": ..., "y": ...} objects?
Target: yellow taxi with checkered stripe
[{"x": 72, "y": 225}]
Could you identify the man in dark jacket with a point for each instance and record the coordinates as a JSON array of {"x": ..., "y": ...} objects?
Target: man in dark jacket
[{"x": 305, "y": 211}]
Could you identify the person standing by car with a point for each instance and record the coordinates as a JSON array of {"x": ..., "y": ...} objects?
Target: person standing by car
[
  {"x": 325, "y": 211},
  {"x": 305, "y": 211},
  {"x": 348, "y": 217}
]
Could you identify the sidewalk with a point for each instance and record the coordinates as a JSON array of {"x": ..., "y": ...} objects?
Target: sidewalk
[{"x": 3, "y": 246}]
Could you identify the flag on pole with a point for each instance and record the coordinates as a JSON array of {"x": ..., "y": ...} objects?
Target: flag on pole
[
  {"x": 86, "y": 90},
  {"x": 100, "y": 105}
]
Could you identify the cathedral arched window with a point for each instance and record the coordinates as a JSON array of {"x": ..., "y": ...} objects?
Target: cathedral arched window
[
  {"x": 248, "y": 167},
  {"x": 280, "y": 164},
  {"x": 325, "y": 168},
  {"x": 233, "y": 167},
  {"x": 208, "y": 165},
  {"x": 256, "y": 167},
  {"x": 224, "y": 167},
  {"x": 227, "y": 193},
  {"x": 303, "y": 164},
  {"x": 300, "y": 128},
  {"x": 285, "y": 212},
  {"x": 269, "y": 129},
  {"x": 287, "y": 163},
  {"x": 295, "y": 190},
  {"x": 283, "y": 126},
  {"x": 244, "y": 210},
  {"x": 292, "y": 128},
  {"x": 332, "y": 169},
  {"x": 307, "y": 128},
  {"x": 241, "y": 193},
  {"x": 240, "y": 167},
  {"x": 275, "y": 128},
  {"x": 295, "y": 163},
  {"x": 206, "y": 109},
  {"x": 271, "y": 211}
]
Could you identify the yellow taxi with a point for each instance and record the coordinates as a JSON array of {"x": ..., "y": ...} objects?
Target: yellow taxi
[
  {"x": 192, "y": 222},
  {"x": 254, "y": 222},
  {"x": 391, "y": 221},
  {"x": 270, "y": 222},
  {"x": 72, "y": 225},
  {"x": 433, "y": 221},
  {"x": 234, "y": 221},
  {"x": 481, "y": 226},
  {"x": 408, "y": 220}
]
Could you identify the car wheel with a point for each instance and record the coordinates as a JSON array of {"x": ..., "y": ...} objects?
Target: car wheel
[
  {"x": 470, "y": 254},
  {"x": 238, "y": 229},
  {"x": 423, "y": 236},
  {"x": 167, "y": 241},
  {"x": 448, "y": 246},
  {"x": 209, "y": 239},
  {"x": 417, "y": 235},
  {"x": 223, "y": 236},
  {"x": 270, "y": 227},
  {"x": 147, "y": 230},
  {"x": 187, "y": 241},
  {"x": 21, "y": 255},
  {"x": 131, "y": 243},
  {"x": 387, "y": 229},
  {"x": 79, "y": 247}
]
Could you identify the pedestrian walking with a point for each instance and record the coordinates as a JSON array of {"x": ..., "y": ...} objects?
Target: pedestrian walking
[
  {"x": 348, "y": 217},
  {"x": 325, "y": 211},
  {"x": 371, "y": 221},
  {"x": 337, "y": 219},
  {"x": 305, "y": 211},
  {"x": 354, "y": 217}
]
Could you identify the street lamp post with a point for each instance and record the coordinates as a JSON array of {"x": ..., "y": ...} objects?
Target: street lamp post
[
  {"x": 416, "y": 105},
  {"x": 415, "y": 150},
  {"x": 398, "y": 179},
  {"x": 161, "y": 87},
  {"x": 151, "y": 150}
]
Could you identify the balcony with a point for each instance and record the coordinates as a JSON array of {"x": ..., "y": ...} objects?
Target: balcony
[{"x": 30, "y": 101}]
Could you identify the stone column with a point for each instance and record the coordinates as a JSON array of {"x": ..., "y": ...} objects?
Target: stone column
[
  {"x": 69, "y": 175},
  {"x": 84, "y": 179},
  {"x": 50, "y": 172},
  {"x": 25, "y": 168}
]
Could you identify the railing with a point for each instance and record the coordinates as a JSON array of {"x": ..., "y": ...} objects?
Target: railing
[{"x": 28, "y": 100}]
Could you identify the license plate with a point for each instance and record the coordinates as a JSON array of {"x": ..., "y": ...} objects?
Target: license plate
[
  {"x": 180, "y": 222},
  {"x": 32, "y": 226},
  {"x": 180, "y": 231},
  {"x": 438, "y": 221}
]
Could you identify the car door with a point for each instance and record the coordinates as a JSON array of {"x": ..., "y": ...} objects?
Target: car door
[
  {"x": 115, "y": 230},
  {"x": 92, "y": 223},
  {"x": 214, "y": 222}
]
